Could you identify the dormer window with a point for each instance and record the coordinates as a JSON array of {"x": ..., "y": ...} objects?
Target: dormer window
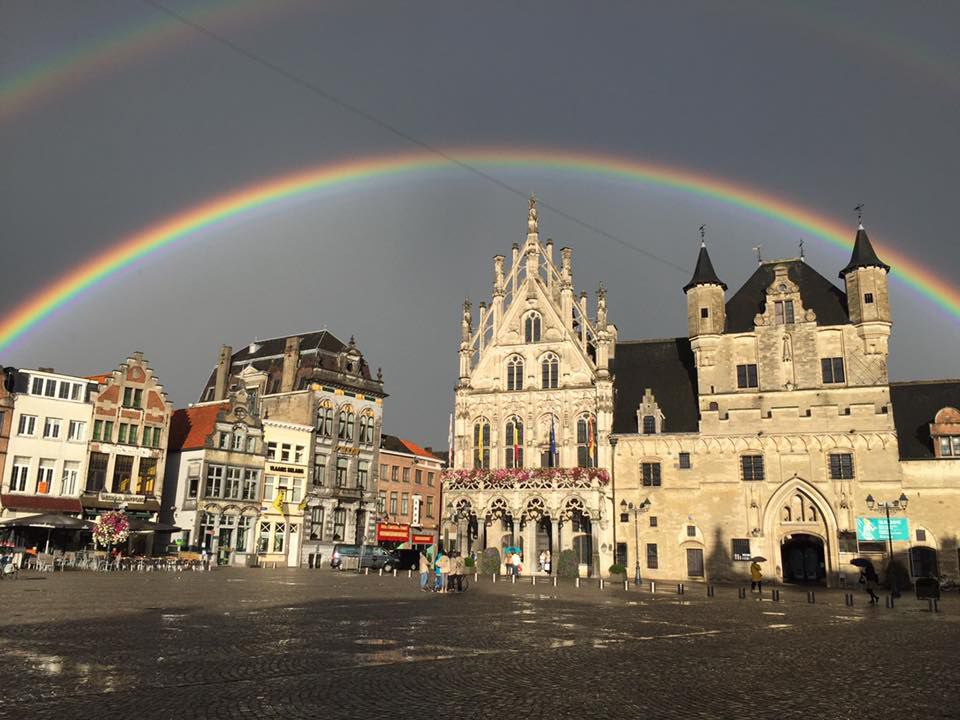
[
  {"x": 783, "y": 311},
  {"x": 945, "y": 431},
  {"x": 531, "y": 328},
  {"x": 649, "y": 425}
]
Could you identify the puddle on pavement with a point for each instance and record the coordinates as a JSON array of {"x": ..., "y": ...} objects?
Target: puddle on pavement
[
  {"x": 374, "y": 641},
  {"x": 557, "y": 643},
  {"x": 779, "y": 626},
  {"x": 768, "y": 612}
]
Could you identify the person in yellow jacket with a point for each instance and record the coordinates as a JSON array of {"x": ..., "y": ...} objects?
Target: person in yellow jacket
[
  {"x": 443, "y": 562},
  {"x": 756, "y": 577}
]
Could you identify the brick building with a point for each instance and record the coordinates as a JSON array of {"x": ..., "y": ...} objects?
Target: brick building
[{"x": 408, "y": 488}]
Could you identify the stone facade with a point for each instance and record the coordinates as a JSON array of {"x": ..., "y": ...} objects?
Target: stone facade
[
  {"x": 7, "y": 383},
  {"x": 313, "y": 381},
  {"x": 771, "y": 430},
  {"x": 534, "y": 392}
]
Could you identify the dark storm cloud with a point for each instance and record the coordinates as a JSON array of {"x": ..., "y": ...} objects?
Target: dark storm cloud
[{"x": 823, "y": 105}]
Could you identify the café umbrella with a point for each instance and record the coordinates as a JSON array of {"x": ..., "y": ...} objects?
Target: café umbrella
[{"x": 50, "y": 521}]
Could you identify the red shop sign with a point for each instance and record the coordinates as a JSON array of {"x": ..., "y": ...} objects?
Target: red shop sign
[{"x": 392, "y": 532}]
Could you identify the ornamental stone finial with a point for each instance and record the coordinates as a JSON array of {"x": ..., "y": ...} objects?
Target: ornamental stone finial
[{"x": 532, "y": 215}]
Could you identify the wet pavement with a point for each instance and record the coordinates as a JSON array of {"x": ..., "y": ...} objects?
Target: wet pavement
[{"x": 318, "y": 644}]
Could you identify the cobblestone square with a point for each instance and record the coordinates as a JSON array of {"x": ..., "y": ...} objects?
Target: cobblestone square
[{"x": 308, "y": 644}]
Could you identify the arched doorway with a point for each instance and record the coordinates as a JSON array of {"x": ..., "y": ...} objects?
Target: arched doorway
[{"x": 803, "y": 559}]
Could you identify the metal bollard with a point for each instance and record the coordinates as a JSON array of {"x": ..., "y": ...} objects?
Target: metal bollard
[
  {"x": 811, "y": 597},
  {"x": 889, "y": 601},
  {"x": 679, "y": 588},
  {"x": 775, "y": 595},
  {"x": 848, "y": 599},
  {"x": 476, "y": 577},
  {"x": 711, "y": 591},
  {"x": 409, "y": 573},
  {"x": 626, "y": 584},
  {"x": 601, "y": 583},
  {"x": 380, "y": 572},
  {"x": 653, "y": 586},
  {"x": 554, "y": 580},
  {"x": 934, "y": 605},
  {"x": 494, "y": 577},
  {"x": 513, "y": 579},
  {"x": 576, "y": 582},
  {"x": 394, "y": 572},
  {"x": 742, "y": 593},
  {"x": 366, "y": 571},
  {"x": 533, "y": 579}
]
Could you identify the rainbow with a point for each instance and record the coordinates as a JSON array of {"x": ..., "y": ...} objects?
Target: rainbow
[
  {"x": 190, "y": 223},
  {"x": 41, "y": 81}
]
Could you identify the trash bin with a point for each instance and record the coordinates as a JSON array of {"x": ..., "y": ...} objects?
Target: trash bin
[
  {"x": 310, "y": 558},
  {"x": 928, "y": 589}
]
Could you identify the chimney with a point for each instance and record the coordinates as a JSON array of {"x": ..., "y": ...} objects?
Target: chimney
[
  {"x": 291, "y": 360},
  {"x": 223, "y": 372}
]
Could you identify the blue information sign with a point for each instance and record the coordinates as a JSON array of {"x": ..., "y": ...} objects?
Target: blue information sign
[{"x": 876, "y": 530}]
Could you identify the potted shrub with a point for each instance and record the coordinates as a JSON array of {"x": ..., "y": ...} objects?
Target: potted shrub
[
  {"x": 618, "y": 573},
  {"x": 568, "y": 566},
  {"x": 468, "y": 563}
]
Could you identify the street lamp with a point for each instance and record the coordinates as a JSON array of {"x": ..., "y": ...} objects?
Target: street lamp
[
  {"x": 887, "y": 505},
  {"x": 637, "y": 510}
]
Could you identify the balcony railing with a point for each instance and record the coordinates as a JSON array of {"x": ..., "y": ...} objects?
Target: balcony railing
[{"x": 525, "y": 479}]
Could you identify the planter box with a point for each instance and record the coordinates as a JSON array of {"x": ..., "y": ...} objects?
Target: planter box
[{"x": 583, "y": 570}]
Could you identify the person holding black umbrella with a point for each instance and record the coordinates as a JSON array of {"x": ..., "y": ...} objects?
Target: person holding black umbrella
[{"x": 868, "y": 578}]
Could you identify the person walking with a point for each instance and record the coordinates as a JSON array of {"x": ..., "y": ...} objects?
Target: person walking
[
  {"x": 457, "y": 569},
  {"x": 756, "y": 577},
  {"x": 547, "y": 563},
  {"x": 424, "y": 570},
  {"x": 516, "y": 561},
  {"x": 443, "y": 565},
  {"x": 543, "y": 560},
  {"x": 869, "y": 579}
]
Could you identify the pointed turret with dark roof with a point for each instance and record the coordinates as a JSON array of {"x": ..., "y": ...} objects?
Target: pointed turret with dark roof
[
  {"x": 703, "y": 273},
  {"x": 863, "y": 254}
]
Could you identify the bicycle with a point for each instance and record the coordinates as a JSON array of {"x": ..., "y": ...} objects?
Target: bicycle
[{"x": 464, "y": 585}]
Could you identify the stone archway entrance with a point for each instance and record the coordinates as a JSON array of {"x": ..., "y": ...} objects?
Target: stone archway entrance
[
  {"x": 803, "y": 559},
  {"x": 802, "y": 530}
]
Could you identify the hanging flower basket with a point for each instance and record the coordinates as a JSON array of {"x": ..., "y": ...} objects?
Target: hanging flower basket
[{"x": 111, "y": 528}]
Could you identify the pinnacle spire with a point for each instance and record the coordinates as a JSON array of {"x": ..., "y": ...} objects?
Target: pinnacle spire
[
  {"x": 703, "y": 273},
  {"x": 532, "y": 224},
  {"x": 863, "y": 254}
]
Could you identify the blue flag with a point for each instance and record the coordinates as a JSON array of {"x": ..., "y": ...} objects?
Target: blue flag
[{"x": 553, "y": 442}]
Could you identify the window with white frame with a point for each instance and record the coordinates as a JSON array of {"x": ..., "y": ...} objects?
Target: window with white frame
[
  {"x": 243, "y": 532},
  {"x": 363, "y": 473},
  {"x": 783, "y": 312},
  {"x": 269, "y": 488},
  {"x": 339, "y": 523},
  {"x": 71, "y": 470},
  {"x": 45, "y": 476},
  {"x": 27, "y": 425},
  {"x": 234, "y": 479},
  {"x": 342, "y": 465},
  {"x": 18, "y": 478},
  {"x": 224, "y": 440},
  {"x": 51, "y": 428},
  {"x": 263, "y": 540},
  {"x": 64, "y": 393},
  {"x": 239, "y": 441},
  {"x": 298, "y": 454},
  {"x": 36, "y": 385},
  {"x": 251, "y": 444},
  {"x": 325, "y": 420},
  {"x": 50, "y": 388},
  {"x": 285, "y": 452},
  {"x": 832, "y": 370},
  {"x": 272, "y": 450},
  {"x": 77, "y": 431},
  {"x": 76, "y": 391},
  {"x": 214, "y": 481},
  {"x": 316, "y": 523},
  {"x": 295, "y": 489},
  {"x": 251, "y": 484},
  {"x": 345, "y": 423}
]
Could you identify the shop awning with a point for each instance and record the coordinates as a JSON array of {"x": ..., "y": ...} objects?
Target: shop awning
[
  {"x": 140, "y": 525},
  {"x": 51, "y": 521},
  {"x": 40, "y": 503}
]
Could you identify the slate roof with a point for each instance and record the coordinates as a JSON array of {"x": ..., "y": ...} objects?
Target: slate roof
[
  {"x": 321, "y": 339},
  {"x": 190, "y": 427},
  {"x": 703, "y": 273},
  {"x": 914, "y": 406},
  {"x": 667, "y": 368},
  {"x": 863, "y": 254},
  {"x": 819, "y": 294}
]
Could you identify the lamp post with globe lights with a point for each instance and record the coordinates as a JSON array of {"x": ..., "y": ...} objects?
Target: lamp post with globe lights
[{"x": 887, "y": 505}]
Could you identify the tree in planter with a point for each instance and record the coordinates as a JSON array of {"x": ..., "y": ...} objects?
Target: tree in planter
[
  {"x": 618, "y": 572},
  {"x": 490, "y": 562},
  {"x": 898, "y": 571},
  {"x": 569, "y": 565}
]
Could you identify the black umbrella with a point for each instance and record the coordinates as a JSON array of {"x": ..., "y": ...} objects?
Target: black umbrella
[
  {"x": 139, "y": 525},
  {"x": 861, "y": 562},
  {"x": 50, "y": 521}
]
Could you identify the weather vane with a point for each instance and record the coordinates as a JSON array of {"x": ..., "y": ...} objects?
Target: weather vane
[
  {"x": 801, "y": 248},
  {"x": 703, "y": 235},
  {"x": 859, "y": 211},
  {"x": 756, "y": 249}
]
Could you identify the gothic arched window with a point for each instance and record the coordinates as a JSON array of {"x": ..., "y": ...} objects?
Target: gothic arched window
[
  {"x": 325, "y": 419},
  {"x": 513, "y": 441},
  {"x": 586, "y": 441},
  {"x": 345, "y": 424},
  {"x": 531, "y": 328},
  {"x": 649, "y": 425},
  {"x": 515, "y": 373},
  {"x": 550, "y": 367},
  {"x": 481, "y": 444}
]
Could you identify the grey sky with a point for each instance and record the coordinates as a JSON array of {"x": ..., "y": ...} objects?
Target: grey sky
[{"x": 821, "y": 104}]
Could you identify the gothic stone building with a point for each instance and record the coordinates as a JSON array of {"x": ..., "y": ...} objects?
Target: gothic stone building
[{"x": 770, "y": 430}]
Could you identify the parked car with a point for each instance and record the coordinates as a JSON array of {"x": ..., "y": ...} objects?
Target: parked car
[{"x": 372, "y": 556}]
